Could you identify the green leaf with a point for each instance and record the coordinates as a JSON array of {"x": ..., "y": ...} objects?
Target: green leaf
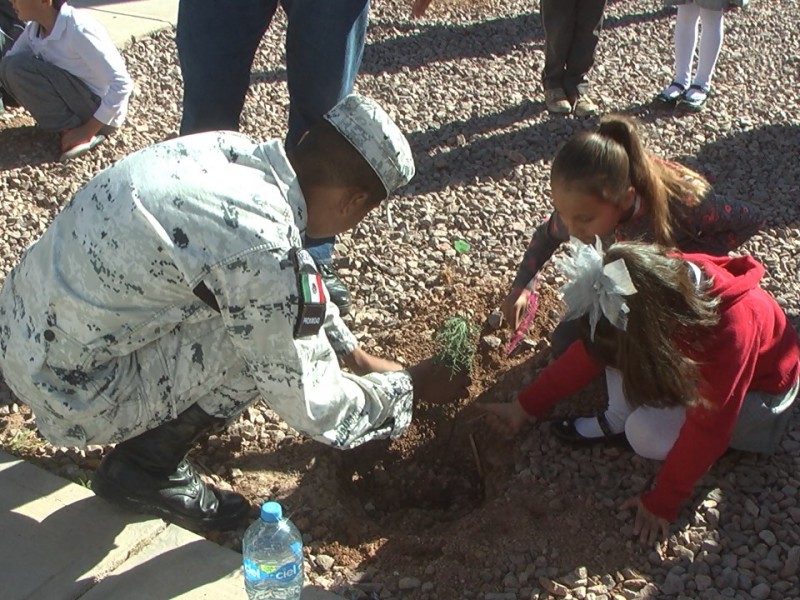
[{"x": 461, "y": 246}]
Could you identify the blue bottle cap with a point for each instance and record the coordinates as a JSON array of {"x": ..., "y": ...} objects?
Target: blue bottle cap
[{"x": 271, "y": 512}]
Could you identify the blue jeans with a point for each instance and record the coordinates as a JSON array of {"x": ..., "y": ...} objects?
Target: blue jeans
[{"x": 217, "y": 41}]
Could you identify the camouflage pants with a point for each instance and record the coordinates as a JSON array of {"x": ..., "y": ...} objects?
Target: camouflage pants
[{"x": 194, "y": 364}]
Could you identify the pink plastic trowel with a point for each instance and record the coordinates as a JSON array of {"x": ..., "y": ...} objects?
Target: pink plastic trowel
[{"x": 527, "y": 320}]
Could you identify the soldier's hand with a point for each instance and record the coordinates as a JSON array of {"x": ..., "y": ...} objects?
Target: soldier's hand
[
  {"x": 361, "y": 362},
  {"x": 435, "y": 383}
]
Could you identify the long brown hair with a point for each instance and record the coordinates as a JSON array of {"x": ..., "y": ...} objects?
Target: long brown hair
[
  {"x": 605, "y": 163},
  {"x": 668, "y": 314}
]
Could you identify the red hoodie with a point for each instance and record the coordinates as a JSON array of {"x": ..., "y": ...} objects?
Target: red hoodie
[{"x": 753, "y": 347}]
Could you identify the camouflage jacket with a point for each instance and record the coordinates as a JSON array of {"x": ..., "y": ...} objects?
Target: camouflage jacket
[{"x": 117, "y": 270}]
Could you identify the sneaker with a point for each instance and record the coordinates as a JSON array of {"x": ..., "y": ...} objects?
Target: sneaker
[
  {"x": 82, "y": 147},
  {"x": 556, "y": 101},
  {"x": 337, "y": 290},
  {"x": 585, "y": 107}
]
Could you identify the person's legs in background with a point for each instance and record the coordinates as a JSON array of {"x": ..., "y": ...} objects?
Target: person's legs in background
[
  {"x": 217, "y": 41},
  {"x": 588, "y": 20},
  {"x": 711, "y": 34},
  {"x": 685, "y": 40},
  {"x": 687, "y": 24},
  {"x": 324, "y": 47},
  {"x": 558, "y": 21},
  {"x": 10, "y": 29}
]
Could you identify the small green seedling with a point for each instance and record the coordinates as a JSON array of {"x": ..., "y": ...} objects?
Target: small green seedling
[{"x": 456, "y": 342}]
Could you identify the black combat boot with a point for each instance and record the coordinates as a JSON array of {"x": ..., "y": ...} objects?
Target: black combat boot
[
  {"x": 150, "y": 474},
  {"x": 340, "y": 295}
]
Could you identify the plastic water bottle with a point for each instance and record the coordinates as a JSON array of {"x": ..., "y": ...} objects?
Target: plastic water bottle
[{"x": 272, "y": 553}]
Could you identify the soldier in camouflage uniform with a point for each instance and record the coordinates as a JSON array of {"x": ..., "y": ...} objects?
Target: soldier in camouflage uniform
[{"x": 172, "y": 292}]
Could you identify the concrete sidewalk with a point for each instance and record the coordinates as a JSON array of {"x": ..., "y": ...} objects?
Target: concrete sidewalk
[
  {"x": 61, "y": 542},
  {"x": 131, "y": 19}
]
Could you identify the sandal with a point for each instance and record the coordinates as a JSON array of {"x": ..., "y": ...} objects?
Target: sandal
[
  {"x": 564, "y": 429},
  {"x": 694, "y": 102},
  {"x": 670, "y": 95}
]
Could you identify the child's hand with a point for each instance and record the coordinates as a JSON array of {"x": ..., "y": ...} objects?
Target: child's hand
[
  {"x": 510, "y": 416},
  {"x": 514, "y": 307},
  {"x": 646, "y": 525}
]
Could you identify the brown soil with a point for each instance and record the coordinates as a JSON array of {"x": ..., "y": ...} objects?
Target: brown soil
[{"x": 442, "y": 503}]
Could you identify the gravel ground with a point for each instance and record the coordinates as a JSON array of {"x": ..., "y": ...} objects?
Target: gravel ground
[{"x": 464, "y": 84}]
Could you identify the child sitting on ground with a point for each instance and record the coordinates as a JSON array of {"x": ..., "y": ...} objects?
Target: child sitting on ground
[
  {"x": 606, "y": 183},
  {"x": 65, "y": 70},
  {"x": 698, "y": 358}
]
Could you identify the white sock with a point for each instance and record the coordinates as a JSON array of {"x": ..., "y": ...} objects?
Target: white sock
[
  {"x": 710, "y": 45},
  {"x": 695, "y": 95},
  {"x": 686, "y": 27},
  {"x": 588, "y": 427},
  {"x": 673, "y": 91},
  {"x": 617, "y": 412}
]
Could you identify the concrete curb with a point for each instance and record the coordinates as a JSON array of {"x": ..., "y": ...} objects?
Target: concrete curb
[{"x": 132, "y": 20}]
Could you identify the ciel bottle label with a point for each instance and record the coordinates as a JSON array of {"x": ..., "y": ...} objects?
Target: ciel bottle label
[{"x": 259, "y": 572}]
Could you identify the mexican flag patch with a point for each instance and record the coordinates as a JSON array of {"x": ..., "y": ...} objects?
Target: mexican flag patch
[{"x": 313, "y": 290}]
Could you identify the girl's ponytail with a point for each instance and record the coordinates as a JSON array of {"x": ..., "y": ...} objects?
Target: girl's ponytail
[
  {"x": 658, "y": 182},
  {"x": 645, "y": 173},
  {"x": 606, "y": 162}
]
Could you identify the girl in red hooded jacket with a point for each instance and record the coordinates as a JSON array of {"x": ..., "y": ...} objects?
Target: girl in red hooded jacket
[{"x": 698, "y": 359}]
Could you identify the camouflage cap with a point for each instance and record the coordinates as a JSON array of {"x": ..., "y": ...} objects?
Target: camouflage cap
[{"x": 376, "y": 137}]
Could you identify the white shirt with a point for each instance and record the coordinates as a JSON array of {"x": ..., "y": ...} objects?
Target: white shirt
[{"x": 81, "y": 46}]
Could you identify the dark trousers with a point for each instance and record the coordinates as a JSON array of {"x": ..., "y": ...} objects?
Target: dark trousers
[
  {"x": 10, "y": 29},
  {"x": 217, "y": 41},
  {"x": 571, "y": 33}
]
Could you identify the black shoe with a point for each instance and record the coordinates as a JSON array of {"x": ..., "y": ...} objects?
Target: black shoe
[
  {"x": 149, "y": 473},
  {"x": 181, "y": 497},
  {"x": 670, "y": 98},
  {"x": 696, "y": 104},
  {"x": 338, "y": 291},
  {"x": 564, "y": 429}
]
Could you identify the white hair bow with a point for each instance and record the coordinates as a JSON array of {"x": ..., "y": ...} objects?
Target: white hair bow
[{"x": 595, "y": 288}]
